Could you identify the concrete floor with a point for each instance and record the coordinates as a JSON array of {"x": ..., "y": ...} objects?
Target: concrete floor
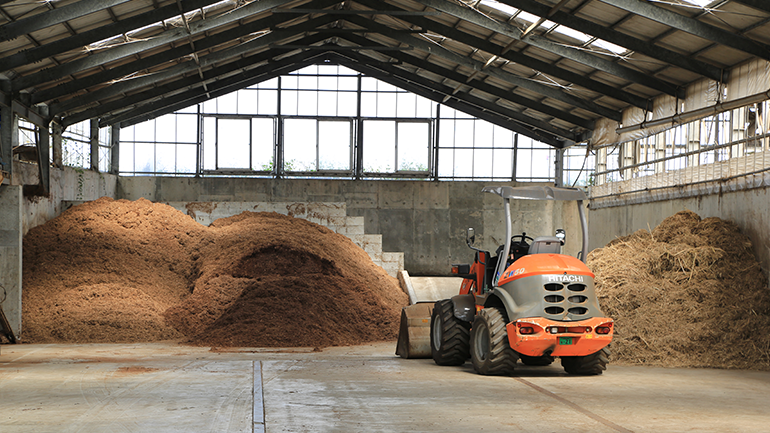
[{"x": 165, "y": 387}]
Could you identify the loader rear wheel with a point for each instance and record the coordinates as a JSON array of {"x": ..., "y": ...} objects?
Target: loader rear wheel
[
  {"x": 449, "y": 336},
  {"x": 589, "y": 365},
  {"x": 536, "y": 361},
  {"x": 491, "y": 354}
]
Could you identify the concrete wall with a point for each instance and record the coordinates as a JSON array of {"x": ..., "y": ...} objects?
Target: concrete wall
[
  {"x": 425, "y": 220},
  {"x": 66, "y": 184},
  {"x": 10, "y": 253},
  {"x": 750, "y": 209}
]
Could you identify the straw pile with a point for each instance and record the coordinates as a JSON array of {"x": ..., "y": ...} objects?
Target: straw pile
[{"x": 688, "y": 294}]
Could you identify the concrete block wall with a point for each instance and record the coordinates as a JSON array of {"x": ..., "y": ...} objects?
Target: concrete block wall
[
  {"x": 425, "y": 220},
  {"x": 11, "y": 253}
]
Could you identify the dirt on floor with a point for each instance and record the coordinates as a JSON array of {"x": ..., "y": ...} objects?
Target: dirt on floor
[
  {"x": 117, "y": 271},
  {"x": 689, "y": 293}
]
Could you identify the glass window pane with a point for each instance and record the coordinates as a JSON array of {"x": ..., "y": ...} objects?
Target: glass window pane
[
  {"x": 463, "y": 133},
  {"x": 502, "y": 165},
  {"x": 127, "y": 134},
  {"x": 144, "y": 158},
  {"x": 327, "y": 83},
  {"x": 165, "y": 158},
  {"x": 308, "y": 103},
  {"x": 126, "y": 156},
  {"x": 327, "y": 103},
  {"x": 482, "y": 134},
  {"x": 306, "y": 82},
  {"x": 233, "y": 143},
  {"x": 446, "y": 134},
  {"x": 299, "y": 145},
  {"x": 247, "y": 101},
  {"x": 145, "y": 131},
  {"x": 347, "y": 105},
  {"x": 289, "y": 82},
  {"x": 289, "y": 103},
  {"x": 185, "y": 158},
  {"x": 386, "y": 105},
  {"x": 187, "y": 128},
  {"x": 379, "y": 146},
  {"x": 368, "y": 104},
  {"x": 334, "y": 145},
  {"x": 104, "y": 159},
  {"x": 503, "y": 138},
  {"x": 191, "y": 109},
  {"x": 425, "y": 107},
  {"x": 407, "y": 105},
  {"x": 446, "y": 162},
  {"x": 210, "y": 106},
  {"x": 209, "y": 143},
  {"x": 228, "y": 104},
  {"x": 413, "y": 145},
  {"x": 165, "y": 127},
  {"x": 463, "y": 166},
  {"x": 347, "y": 83},
  {"x": 268, "y": 102},
  {"x": 262, "y": 139},
  {"x": 482, "y": 163}
]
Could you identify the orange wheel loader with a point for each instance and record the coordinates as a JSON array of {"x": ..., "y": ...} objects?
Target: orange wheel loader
[{"x": 527, "y": 303}]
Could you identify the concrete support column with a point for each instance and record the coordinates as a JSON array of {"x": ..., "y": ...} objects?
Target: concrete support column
[
  {"x": 10, "y": 253},
  {"x": 56, "y": 132},
  {"x": 9, "y": 138},
  {"x": 559, "y": 167},
  {"x": 115, "y": 149},
  {"x": 693, "y": 142},
  {"x": 94, "y": 144}
]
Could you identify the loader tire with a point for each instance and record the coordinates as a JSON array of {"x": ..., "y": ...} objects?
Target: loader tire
[
  {"x": 536, "y": 361},
  {"x": 491, "y": 354},
  {"x": 449, "y": 336},
  {"x": 589, "y": 365}
]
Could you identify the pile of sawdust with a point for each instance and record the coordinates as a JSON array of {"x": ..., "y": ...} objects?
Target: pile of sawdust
[
  {"x": 688, "y": 294},
  {"x": 120, "y": 271}
]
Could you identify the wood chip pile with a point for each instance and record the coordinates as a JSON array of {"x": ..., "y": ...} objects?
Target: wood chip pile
[{"x": 113, "y": 271}]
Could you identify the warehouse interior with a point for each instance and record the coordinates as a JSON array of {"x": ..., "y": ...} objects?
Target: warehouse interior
[{"x": 383, "y": 121}]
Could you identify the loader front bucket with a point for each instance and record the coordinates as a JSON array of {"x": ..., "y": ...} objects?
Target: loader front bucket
[{"x": 414, "y": 331}]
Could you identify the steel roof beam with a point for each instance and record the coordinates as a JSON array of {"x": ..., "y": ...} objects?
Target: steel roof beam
[
  {"x": 621, "y": 39},
  {"x": 101, "y": 33},
  {"x": 191, "y": 81},
  {"x": 475, "y": 65},
  {"x": 125, "y": 50},
  {"x": 56, "y": 16},
  {"x": 439, "y": 93},
  {"x": 533, "y": 63},
  {"x": 484, "y": 87},
  {"x": 546, "y": 44},
  {"x": 182, "y": 68},
  {"x": 692, "y": 26}
]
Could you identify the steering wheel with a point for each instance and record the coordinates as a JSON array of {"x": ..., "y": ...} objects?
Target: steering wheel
[{"x": 521, "y": 240}]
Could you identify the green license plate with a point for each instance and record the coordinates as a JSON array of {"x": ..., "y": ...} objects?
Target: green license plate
[{"x": 565, "y": 341}]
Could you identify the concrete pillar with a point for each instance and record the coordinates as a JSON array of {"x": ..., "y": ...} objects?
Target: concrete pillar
[
  {"x": 115, "y": 149},
  {"x": 56, "y": 132},
  {"x": 9, "y": 138},
  {"x": 10, "y": 253},
  {"x": 693, "y": 142},
  {"x": 559, "y": 169},
  {"x": 94, "y": 144}
]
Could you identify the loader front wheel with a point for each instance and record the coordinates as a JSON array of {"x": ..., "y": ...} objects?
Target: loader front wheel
[
  {"x": 491, "y": 354},
  {"x": 589, "y": 365},
  {"x": 449, "y": 336}
]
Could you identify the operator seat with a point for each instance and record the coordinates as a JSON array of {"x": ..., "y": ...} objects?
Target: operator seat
[{"x": 545, "y": 245}]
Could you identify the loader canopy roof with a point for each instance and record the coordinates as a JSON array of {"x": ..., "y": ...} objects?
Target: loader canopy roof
[{"x": 536, "y": 192}]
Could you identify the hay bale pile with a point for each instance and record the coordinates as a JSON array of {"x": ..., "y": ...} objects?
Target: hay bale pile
[
  {"x": 688, "y": 294},
  {"x": 116, "y": 271}
]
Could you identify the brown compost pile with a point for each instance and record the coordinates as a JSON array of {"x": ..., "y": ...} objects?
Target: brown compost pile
[
  {"x": 690, "y": 293},
  {"x": 116, "y": 271}
]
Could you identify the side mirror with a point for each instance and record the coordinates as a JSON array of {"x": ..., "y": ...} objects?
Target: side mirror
[
  {"x": 470, "y": 237},
  {"x": 561, "y": 235}
]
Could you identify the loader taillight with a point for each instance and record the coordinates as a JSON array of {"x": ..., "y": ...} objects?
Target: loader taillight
[
  {"x": 603, "y": 330},
  {"x": 526, "y": 330}
]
